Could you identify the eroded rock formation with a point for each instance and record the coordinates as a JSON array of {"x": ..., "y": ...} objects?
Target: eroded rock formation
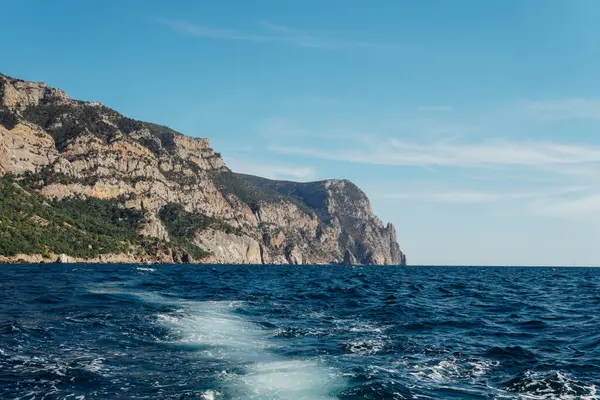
[{"x": 66, "y": 148}]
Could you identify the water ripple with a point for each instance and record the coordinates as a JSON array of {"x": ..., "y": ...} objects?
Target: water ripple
[{"x": 242, "y": 332}]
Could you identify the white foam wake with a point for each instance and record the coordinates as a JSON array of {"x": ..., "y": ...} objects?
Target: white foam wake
[
  {"x": 221, "y": 334},
  {"x": 218, "y": 333}
]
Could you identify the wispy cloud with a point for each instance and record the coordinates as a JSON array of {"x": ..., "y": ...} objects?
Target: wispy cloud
[
  {"x": 272, "y": 171},
  {"x": 459, "y": 197},
  {"x": 271, "y": 33},
  {"x": 587, "y": 206},
  {"x": 475, "y": 196},
  {"x": 567, "y": 108},
  {"x": 491, "y": 153}
]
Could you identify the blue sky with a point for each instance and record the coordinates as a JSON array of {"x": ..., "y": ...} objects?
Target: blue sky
[{"x": 473, "y": 126}]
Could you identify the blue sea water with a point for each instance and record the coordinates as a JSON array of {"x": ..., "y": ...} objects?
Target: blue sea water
[{"x": 298, "y": 332}]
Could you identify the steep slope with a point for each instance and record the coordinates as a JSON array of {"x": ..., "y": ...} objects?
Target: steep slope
[
  {"x": 340, "y": 203},
  {"x": 190, "y": 207}
]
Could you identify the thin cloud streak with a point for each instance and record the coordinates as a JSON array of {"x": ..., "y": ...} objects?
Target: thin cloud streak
[
  {"x": 271, "y": 33},
  {"x": 587, "y": 206},
  {"x": 567, "y": 108},
  {"x": 564, "y": 203},
  {"x": 477, "y": 197},
  {"x": 491, "y": 153},
  {"x": 455, "y": 197},
  {"x": 191, "y": 29},
  {"x": 272, "y": 171}
]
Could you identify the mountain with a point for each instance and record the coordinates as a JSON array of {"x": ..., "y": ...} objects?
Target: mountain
[{"x": 80, "y": 180}]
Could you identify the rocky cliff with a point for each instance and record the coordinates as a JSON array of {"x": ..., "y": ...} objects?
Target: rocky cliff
[{"x": 180, "y": 201}]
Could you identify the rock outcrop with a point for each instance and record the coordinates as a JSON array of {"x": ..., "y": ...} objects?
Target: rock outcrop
[
  {"x": 65, "y": 259},
  {"x": 64, "y": 148}
]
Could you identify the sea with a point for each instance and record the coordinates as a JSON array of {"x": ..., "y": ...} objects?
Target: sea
[{"x": 77, "y": 331}]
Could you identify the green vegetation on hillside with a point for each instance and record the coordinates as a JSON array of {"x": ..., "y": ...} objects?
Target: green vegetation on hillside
[
  {"x": 164, "y": 133},
  {"x": 66, "y": 121},
  {"x": 33, "y": 224},
  {"x": 182, "y": 227},
  {"x": 311, "y": 195},
  {"x": 252, "y": 194},
  {"x": 47, "y": 175},
  {"x": 8, "y": 119},
  {"x": 184, "y": 224}
]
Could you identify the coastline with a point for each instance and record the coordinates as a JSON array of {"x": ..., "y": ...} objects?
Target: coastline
[
  {"x": 116, "y": 258},
  {"x": 65, "y": 259}
]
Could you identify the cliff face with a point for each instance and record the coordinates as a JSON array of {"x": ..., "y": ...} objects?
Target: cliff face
[{"x": 67, "y": 149}]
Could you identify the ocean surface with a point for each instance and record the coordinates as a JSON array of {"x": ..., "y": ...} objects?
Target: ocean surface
[{"x": 298, "y": 332}]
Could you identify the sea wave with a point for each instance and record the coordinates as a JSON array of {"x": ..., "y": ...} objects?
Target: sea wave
[{"x": 239, "y": 332}]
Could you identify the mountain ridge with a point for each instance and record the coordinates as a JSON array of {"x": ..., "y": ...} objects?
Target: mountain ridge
[{"x": 185, "y": 204}]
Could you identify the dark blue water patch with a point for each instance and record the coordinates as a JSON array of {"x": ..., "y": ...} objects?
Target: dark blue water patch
[{"x": 252, "y": 332}]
